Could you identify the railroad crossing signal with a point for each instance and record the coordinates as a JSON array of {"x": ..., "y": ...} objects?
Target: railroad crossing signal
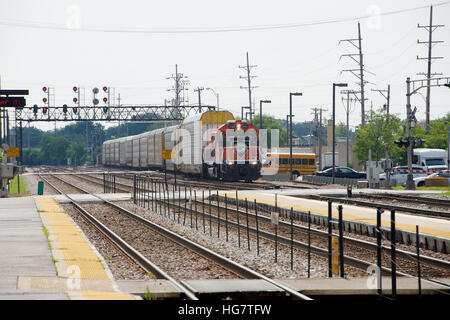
[
  {"x": 405, "y": 143},
  {"x": 402, "y": 143}
]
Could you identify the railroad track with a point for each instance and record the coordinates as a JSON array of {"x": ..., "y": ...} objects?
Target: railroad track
[
  {"x": 226, "y": 263},
  {"x": 408, "y": 198},
  {"x": 283, "y": 238},
  {"x": 400, "y": 208}
]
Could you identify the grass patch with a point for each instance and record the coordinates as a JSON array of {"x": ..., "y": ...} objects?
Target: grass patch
[
  {"x": 14, "y": 187},
  {"x": 447, "y": 189},
  {"x": 148, "y": 295}
]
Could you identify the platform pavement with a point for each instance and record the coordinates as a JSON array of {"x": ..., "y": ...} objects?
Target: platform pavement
[
  {"x": 39, "y": 242},
  {"x": 24, "y": 250}
]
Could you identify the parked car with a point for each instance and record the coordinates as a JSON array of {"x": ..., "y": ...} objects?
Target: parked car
[
  {"x": 420, "y": 181},
  {"x": 399, "y": 174},
  {"x": 342, "y": 172}
]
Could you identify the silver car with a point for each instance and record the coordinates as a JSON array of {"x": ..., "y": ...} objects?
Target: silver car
[{"x": 400, "y": 173}]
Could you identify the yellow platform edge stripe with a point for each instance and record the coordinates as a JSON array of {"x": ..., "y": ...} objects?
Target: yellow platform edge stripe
[{"x": 77, "y": 252}]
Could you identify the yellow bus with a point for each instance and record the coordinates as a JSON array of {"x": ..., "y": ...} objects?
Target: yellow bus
[{"x": 278, "y": 163}]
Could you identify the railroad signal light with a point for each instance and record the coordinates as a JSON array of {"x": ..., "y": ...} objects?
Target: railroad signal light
[
  {"x": 399, "y": 143},
  {"x": 75, "y": 100},
  {"x": 75, "y": 109},
  {"x": 105, "y": 109},
  {"x": 418, "y": 142},
  {"x": 105, "y": 100},
  {"x": 75, "y": 89},
  {"x": 44, "y": 89},
  {"x": 44, "y": 99},
  {"x": 105, "y": 89},
  {"x": 65, "y": 108},
  {"x": 44, "y": 110}
]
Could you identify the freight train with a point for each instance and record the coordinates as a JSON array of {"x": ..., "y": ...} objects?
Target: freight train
[{"x": 210, "y": 145}]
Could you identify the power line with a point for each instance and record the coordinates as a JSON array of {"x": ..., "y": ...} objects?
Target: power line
[{"x": 39, "y": 25}]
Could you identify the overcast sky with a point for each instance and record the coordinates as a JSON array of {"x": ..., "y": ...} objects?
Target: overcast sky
[{"x": 63, "y": 43}]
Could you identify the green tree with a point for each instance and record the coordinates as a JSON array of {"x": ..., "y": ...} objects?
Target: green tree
[
  {"x": 77, "y": 152},
  {"x": 270, "y": 123},
  {"x": 438, "y": 133},
  {"x": 382, "y": 129}
]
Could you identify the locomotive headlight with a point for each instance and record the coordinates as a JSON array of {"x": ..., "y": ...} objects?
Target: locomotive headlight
[
  {"x": 254, "y": 163},
  {"x": 239, "y": 126},
  {"x": 230, "y": 163}
]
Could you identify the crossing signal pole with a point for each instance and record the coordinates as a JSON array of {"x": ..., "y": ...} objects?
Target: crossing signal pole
[{"x": 430, "y": 28}]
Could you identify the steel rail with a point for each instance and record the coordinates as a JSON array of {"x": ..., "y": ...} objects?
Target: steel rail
[
  {"x": 426, "y": 260},
  {"x": 403, "y": 209},
  {"x": 227, "y": 263},
  {"x": 357, "y": 263},
  {"x": 424, "y": 200},
  {"x": 128, "y": 250}
]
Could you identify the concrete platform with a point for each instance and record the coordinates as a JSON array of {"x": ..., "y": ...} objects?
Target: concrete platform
[
  {"x": 363, "y": 286},
  {"x": 24, "y": 250},
  {"x": 311, "y": 287},
  {"x": 341, "y": 191},
  {"x": 404, "y": 221}
]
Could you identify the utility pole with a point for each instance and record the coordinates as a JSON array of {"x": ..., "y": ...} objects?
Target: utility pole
[
  {"x": 118, "y": 128},
  {"x": 199, "y": 90},
  {"x": 249, "y": 85},
  {"x": 178, "y": 86},
  {"x": 315, "y": 124},
  {"x": 320, "y": 138},
  {"x": 386, "y": 94},
  {"x": 347, "y": 111},
  {"x": 430, "y": 28},
  {"x": 360, "y": 70},
  {"x": 410, "y": 116}
]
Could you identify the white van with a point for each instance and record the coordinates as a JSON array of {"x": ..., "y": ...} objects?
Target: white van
[{"x": 430, "y": 159}]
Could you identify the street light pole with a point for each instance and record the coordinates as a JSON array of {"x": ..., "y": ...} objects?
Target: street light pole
[
  {"x": 260, "y": 111},
  {"x": 217, "y": 97},
  {"x": 334, "y": 125},
  {"x": 290, "y": 130}
]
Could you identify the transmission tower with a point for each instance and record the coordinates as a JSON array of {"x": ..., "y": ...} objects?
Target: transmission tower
[
  {"x": 249, "y": 87},
  {"x": 359, "y": 73},
  {"x": 179, "y": 86},
  {"x": 430, "y": 28}
]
